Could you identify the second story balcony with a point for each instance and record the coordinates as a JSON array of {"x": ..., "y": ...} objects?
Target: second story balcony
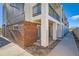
[
  {"x": 37, "y": 10},
  {"x": 53, "y": 13}
]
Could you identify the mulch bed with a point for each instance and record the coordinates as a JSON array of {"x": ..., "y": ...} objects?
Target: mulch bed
[{"x": 41, "y": 51}]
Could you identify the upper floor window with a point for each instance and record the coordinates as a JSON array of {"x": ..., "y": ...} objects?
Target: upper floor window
[{"x": 37, "y": 9}]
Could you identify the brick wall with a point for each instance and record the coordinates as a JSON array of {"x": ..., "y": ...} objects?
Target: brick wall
[
  {"x": 30, "y": 33},
  {"x": 25, "y": 36}
]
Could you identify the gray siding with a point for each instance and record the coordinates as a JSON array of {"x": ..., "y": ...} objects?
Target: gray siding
[{"x": 15, "y": 13}]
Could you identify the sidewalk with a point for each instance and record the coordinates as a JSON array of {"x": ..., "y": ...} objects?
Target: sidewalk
[
  {"x": 67, "y": 47},
  {"x": 12, "y": 49}
]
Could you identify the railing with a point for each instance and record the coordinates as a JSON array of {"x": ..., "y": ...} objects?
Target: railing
[
  {"x": 53, "y": 13},
  {"x": 17, "y": 18},
  {"x": 17, "y": 6}
]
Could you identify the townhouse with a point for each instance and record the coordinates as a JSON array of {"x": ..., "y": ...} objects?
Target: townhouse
[{"x": 28, "y": 23}]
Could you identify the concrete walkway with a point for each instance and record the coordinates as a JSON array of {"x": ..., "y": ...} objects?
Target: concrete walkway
[
  {"x": 13, "y": 50},
  {"x": 67, "y": 47}
]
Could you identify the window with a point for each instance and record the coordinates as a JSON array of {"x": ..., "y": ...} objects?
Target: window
[
  {"x": 37, "y": 9},
  {"x": 16, "y": 27}
]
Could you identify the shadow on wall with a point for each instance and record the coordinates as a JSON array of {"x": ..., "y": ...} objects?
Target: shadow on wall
[{"x": 76, "y": 33}]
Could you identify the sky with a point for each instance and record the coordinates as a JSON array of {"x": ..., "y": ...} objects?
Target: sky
[
  {"x": 1, "y": 15},
  {"x": 71, "y": 10}
]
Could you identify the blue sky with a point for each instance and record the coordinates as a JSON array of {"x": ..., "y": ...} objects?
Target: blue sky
[
  {"x": 0, "y": 15},
  {"x": 71, "y": 11}
]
